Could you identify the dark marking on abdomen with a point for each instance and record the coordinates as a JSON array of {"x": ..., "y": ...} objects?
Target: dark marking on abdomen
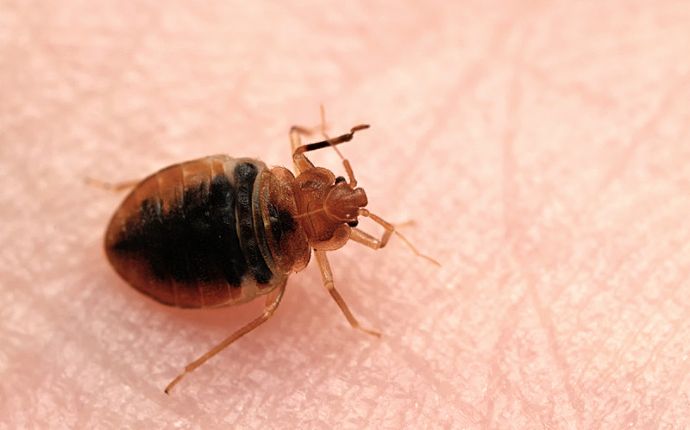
[
  {"x": 281, "y": 222},
  {"x": 245, "y": 176},
  {"x": 194, "y": 242}
]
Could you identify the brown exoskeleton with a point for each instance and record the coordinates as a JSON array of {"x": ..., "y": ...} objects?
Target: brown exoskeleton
[{"x": 219, "y": 231}]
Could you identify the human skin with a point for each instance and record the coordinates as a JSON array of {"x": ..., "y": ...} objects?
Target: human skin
[{"x": 541, "y": 149}]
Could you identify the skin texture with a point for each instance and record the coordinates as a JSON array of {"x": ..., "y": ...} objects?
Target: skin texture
[{"x": 541, "y": 147}]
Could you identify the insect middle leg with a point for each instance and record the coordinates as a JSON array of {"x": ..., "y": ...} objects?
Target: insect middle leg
[
  {"x": 327, "y": 276},
  {"x": 272, "y": 302}
]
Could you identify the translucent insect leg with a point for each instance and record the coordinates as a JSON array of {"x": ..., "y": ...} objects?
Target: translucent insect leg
[
  {"x": 302, "y": 162},
  {"x": 327, "y": 276},
  {"x": 272, "y": 302},
  {"x": 366, "y": 239},
  {"x": 111, "y": 186}
]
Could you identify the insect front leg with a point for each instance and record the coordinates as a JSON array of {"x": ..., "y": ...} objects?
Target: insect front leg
[
  {"x": 370, "y": 241},
  {"x": 296, "y": 133},
  {"x": 272, "y": 302},
  {"x": 327, "y": 276},
  {"x": 300, "y": 163}
]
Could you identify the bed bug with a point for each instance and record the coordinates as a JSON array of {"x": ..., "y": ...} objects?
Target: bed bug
[{"x": 221, "y": 231}]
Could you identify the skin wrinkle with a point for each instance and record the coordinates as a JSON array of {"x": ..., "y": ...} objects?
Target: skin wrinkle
[
  {"x": 680, "y": 376},
  {"x": 468, "y": 80},
  {"x": 616, "y": 50},
  {"x": 421, "y": 366},
  {"x": 630, "y": 339},
  {"x": 550, "y": 330},
  {"x": 510, "y": 199},
  {"x": 608, "y": 373},
  {"x": 71, "y": 332},
  {"x": 658, "y": 348},
  {"x": 372, "y": 43},
  {"x": 531, "y": 409},
  {"x": 507, "y": 330},
  {"x": 64, "y": 109},
  {"x": 509, "y": 165},
  {"x": 644, "y": 277},
  {"x": 589, "y": 96},
  {"x": 635, "y": 334},
  {"x": 619, "y": 166},
  {"x": 628, "y": 342},
  {"x": 648, "y": 128},
  {"x": 510, "y": 196}
]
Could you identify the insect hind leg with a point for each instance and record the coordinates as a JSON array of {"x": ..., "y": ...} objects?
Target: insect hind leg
[
  {"x": 272, "y": 302},
  {"x": 111, "y": 186}
]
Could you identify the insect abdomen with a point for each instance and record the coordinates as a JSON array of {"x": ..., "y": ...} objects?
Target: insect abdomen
[{"x": 186, "y": 237}]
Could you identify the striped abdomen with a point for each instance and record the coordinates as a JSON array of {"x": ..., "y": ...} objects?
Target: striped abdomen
[{"x": 192, "y": 235}]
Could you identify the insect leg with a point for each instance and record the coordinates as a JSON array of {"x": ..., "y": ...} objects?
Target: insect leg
[
  {"x": 111, "y": 186},
  {"x": 327, "y": 276},
  {"x": 302, "y": 163},
  {"x": 297, "y": 131},
  {"x": 272, "y": 302},
  {"x": 300, "y": 159},
  {"x": 366, "y": 239}
]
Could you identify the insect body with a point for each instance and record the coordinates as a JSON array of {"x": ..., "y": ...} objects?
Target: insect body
[
  {"x": 210, "y": 232},
  {"x": 220, "y": 231}
]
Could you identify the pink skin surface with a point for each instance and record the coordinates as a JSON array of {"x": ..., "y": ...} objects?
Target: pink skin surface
[{"x": 541, "y": 148}]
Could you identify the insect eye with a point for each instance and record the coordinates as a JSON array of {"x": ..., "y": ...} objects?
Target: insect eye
[
  {"x": 353, "y": 224},
  {"x": 339, "y": 179}
]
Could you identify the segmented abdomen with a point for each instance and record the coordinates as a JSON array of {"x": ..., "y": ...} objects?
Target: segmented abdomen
[{"x": 186, "y": 235}]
